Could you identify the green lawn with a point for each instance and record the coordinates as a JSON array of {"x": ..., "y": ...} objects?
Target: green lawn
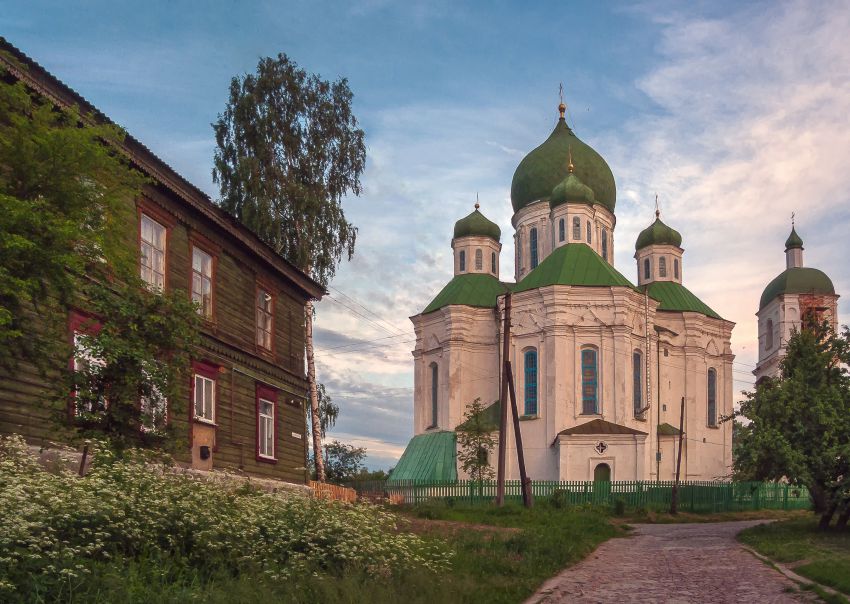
[{"x": 823, "y": 556}]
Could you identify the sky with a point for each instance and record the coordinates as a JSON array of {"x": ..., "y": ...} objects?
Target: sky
[{"x": 734, "y": 113}]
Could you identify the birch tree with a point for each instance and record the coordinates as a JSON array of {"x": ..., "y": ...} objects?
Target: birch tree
[{"x": 288, "y": 151}]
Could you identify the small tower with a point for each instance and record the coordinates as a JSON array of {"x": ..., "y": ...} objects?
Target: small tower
[
  {"x": 797, "y": 294},
  {"x": 658, "y": 252},
  {"x": 476, "y": 245}
]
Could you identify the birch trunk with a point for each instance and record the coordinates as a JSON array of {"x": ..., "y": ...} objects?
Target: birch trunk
[{"x": 318, "y": 459}]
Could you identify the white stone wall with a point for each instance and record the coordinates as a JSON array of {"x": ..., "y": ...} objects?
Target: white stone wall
[
  {"x": 470, "y": 245},
  {"x": 654, "y": 253}
]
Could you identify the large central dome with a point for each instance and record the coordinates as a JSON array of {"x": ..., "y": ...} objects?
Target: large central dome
[{"x": 545, "y": 167}]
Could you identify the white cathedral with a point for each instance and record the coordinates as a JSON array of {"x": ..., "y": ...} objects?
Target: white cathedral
[{"x": 600, "y": 364}]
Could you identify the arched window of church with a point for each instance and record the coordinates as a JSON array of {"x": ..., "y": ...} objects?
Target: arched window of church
[
  {"x": 589, "y": 381},
  {"x": 462, "y": 260},
  {"x": 493, "y": 262},
  {"x": 768, "y": 336},
  {"x": 576, "y": 228},
  {"x": 604, "y": 242},
  {"x": 647, "y": 269},
  {"x": 530, "y": 358},
  {"x": 637, "y": 375},
  {"x": 675, "y": 268},
  {"x": 435, "y": 384},
  {"x": 662, "y": 266},
  {"x": 712, "y": 397},
  {"x": 479, "y": 260},
  {"x": 589, "y": 232},
  {"x": 532, "y": 246},
  {"x": 518, "y": 252},
  {"x": 561, "y": 230}
]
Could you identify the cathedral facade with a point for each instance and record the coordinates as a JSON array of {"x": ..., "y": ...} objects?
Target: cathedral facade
[{"x": 601, "y": 364}]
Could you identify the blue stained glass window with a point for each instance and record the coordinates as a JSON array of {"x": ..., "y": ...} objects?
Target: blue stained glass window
[
  {"x": 647, "y": 271},
  {"x": 561, "y": 230},
  {"x": 532, "y": 246},
  {"x": 712, "y": 397},
  {"x": 637, "y": 361},
  {"x": 531, "y": 382},
  {"x": 589, "y": 381}
]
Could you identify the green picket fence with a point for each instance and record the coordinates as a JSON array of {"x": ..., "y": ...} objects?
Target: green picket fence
[{"x": 694, "y": 496}]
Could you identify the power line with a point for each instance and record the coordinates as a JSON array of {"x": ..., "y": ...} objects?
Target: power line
[{"x": 374, "y": 314}]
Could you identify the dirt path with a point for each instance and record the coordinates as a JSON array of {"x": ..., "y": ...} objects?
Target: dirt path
[{"x": 671, "y": 563}]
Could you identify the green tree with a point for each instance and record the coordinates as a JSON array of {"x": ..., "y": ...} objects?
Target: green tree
[
  {"x": 799, "y": 424},
  {"x": 328, "y": 410},
  {"x": 288, "y": 151},
  {"x": 65, "y": 193},
  {"x": 476, "y": 443},
  {"x": 343, "y": 462}
]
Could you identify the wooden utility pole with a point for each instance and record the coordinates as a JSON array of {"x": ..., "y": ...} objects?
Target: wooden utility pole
[
  {"x": 674, "y": 500},
  {"x": 503, "y": 401},
  {"x": 527, "y": 500}
]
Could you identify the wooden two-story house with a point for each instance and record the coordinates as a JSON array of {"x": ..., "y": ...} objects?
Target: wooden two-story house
[{"x": 246, "y": 396}]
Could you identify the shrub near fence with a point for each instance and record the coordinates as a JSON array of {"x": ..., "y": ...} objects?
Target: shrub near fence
[
  {"x": 325, "y": 490},
  {"x": 694, "y": 496}
]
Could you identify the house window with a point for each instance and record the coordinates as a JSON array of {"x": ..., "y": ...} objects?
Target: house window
[
  {"x": 479, "y": 260},
  {"x": 662, "y": 266},
  {"x": 637, "y": 370},
  {"x": 675, "y": 268},
  {"x": 532, "y": 246},
  {"x": 531, "y": 382},
  {"x": 266, "y": 424},
  {"x": 576, "y": 228},
  {"x": 647, "y": 269},
  {"x": 589, "y": 381},
  {"x": 768, "y": 336},
  {"x": 202, "y": 276},
  {"x": 604, "y": 242},
  {"x": 204, "y": 395},
  {"x": 462, "y": 260},
  {"x": 435, "y": 383},
  {"x": 152, "y": 253},
  {"x": 561, "y": 230},
  {"x": 153, "y": 408},
  {"x": 265, "y": 313},
  {"x": 589, "y": 232},
  {"x": 493, "y": 262},
  {"x": 84, "y": 362},
  {"x": 712, "y": 397}
]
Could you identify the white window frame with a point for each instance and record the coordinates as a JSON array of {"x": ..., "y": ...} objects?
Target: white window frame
[
  {"x": 205, "y": 305},
  {"x": 83, "y": 356},
  {"x": 152, "y": 271},
  {"x": 266, "y": 422},
  {"x": 207, "y": 385},
  {"x": 263, "y": 313}
]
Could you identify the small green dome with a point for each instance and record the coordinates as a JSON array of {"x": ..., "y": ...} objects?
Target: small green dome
[
  {"x": 793, "y": 241},
  {"x": 541, "y": 170},
  {"x": 571, "y": 190},
  {"x": 800, "y": 280},
  {"x": 658, "y": 233},
  {"x": 477, "y": 225}
]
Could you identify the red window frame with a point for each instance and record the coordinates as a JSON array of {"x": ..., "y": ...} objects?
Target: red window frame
[
  {"x": 84, "y": 323},
  {"x": 270, "y": 394}
]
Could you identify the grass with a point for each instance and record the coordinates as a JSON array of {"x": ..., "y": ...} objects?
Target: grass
[
  {"x": 822, "y": 556},
  {"x": 651, "y": 517}
]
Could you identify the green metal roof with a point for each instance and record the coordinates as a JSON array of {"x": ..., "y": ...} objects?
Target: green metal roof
[
  {"x": 676, "y": 297},
  {"x": 491, "y": 417},
  {"x": 801, "y": 280},
  {"x": 658, "y": 233},
  {"x": 546, "y": 166},
  {"x": 571, "y": 190},
  {"x": 573, "y": 264},
  {"x": 469, "y": 289},
  {"x": 666, "y": 429},
  {"x": 428, "y": 456},
  {"x": 476, "y": 224},
  {"x": 793, "y": 240}
]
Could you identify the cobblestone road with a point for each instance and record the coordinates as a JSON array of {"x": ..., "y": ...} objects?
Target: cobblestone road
[{"x": 671, "y": 563}]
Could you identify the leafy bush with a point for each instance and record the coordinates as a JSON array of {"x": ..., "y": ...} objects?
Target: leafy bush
[{"x": 56, "y": 527}]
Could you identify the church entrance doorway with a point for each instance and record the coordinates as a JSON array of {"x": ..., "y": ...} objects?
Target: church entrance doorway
[
  {"x": 602, "y": 483},
  {"x": 602, "y": 473}
]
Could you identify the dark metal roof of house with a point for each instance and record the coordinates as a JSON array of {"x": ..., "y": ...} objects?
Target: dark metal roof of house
[{"x": 600, "y": 426}]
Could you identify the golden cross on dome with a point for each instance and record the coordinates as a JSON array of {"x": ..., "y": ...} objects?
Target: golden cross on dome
[
  {"x": 792, "y": 220},
  {"x": 657, "y": 211},
  {"x": 476, "y": 201},
  {"x": 561, "y": 107}
]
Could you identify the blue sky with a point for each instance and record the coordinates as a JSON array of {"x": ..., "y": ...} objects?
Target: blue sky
[{"x": 734, "y": 113}]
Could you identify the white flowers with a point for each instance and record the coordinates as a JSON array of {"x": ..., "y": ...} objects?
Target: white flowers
[{"x": 54, "y": 525}]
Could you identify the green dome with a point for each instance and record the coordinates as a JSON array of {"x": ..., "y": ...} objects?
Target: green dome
[
  {"x": 793, "y": 241},
  {"x": 478, "y": 225},
  {"x": 801, "y": 280},
  {"x": 571, "y": 190},
  {"x": 542, "y": 169},
  {"x": 658, "y": 233}
]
